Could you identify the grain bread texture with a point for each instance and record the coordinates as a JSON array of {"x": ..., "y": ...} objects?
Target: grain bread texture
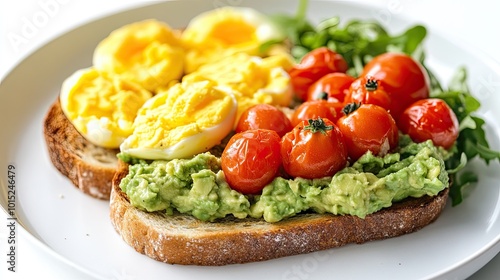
[
  {"x": 182, "y": 239},
  {"x": 87, "y": 166}
]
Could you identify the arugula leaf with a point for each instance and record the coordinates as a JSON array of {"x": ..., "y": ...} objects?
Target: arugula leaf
[
  {"x": 472, "y": 140},
  {"x": 459, "y": 182},
  {"x": 358, "y": 41},
  {"x": 292, "y": 26},
  {"x": 435, "y": 85}
]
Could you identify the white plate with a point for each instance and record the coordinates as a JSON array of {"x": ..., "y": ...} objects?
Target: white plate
[{"x": 77, "y": 228}]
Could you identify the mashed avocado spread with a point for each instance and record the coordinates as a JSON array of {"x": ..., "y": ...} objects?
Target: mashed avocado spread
[{"x": 197, "y": 186}]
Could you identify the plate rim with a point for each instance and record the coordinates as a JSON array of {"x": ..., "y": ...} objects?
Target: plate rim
[{"x": 466, "y": 47}]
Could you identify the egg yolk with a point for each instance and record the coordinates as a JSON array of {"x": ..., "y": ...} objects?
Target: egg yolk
[
  {"x": 148, "y": 52},
  {"x": 186, "y": 119},
  {"x": 223, "y": 32},
  {"x": 254, "y": 80},
  {"x": 233, "y": 32},
  {"x": 102, "y": 107}
]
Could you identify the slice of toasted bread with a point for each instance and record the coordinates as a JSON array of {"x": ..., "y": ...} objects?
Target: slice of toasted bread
[
  {"x": 182, "y": 239},
  {"x": 89, "y": 167}
]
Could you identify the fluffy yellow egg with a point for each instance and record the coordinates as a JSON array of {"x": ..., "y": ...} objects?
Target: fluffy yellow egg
[
  {"x": 218, "y": 33},
  {"x": 147, "y": 52},
  {"x": 185, "y": 120},
  {"x": 254, "y": 80},
  {"x": 101, "y": 107}
]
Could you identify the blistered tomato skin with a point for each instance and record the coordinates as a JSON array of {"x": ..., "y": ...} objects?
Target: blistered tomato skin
[
  {"x": 251, "y": 160},
  {"x": 367, "y": 90},
  {"x": 312, "y": 67},
  {"x": 430, "y": 119},
  {"x": 368, "y": 128},
  {"x": 403, "y": 78},
  {"x": 264, "y": 116},
  {"x": 332, "y": 87},
  {"x": 310, "y": 153},
  {"x": 317, "y": 108}
]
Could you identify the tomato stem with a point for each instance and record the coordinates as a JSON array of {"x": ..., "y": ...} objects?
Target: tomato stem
[
  {"x": 318, "y": 124},
  {"x": 323, "y": 95},
  {"x": 371, "y": 84},
  {"x": 351, "y": 107}
]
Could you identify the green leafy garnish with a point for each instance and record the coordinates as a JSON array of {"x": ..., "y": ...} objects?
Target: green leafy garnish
[
  {"x": 358, "y": 41},
  {"x": 472, "y": 140}
]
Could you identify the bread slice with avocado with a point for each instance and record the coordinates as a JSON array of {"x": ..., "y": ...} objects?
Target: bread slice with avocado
[
  {"x": 184, "y": 239},
  {"x": 89, "y": 167}
]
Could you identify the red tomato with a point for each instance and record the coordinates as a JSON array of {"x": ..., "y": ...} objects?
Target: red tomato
[
  {"x": 430, "y": 119},
  {"x": 367, "y": 90},
  {"x": 313, "y": 149},
  {"x": 403, "y": 78},
  {"x": 264, "y": 116},
  {"x": 317, "y": 108},
  {"x": 251, "y": 160},
  {"x": 334, "y": 85},
  {"x": 313, "y": 66},
  {"x": 368, "y": 127}
]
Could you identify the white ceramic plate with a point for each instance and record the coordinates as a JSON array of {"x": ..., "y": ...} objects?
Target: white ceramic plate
[{"x": 76, "y": 227}]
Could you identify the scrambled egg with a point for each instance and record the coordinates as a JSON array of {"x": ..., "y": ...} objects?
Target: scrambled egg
[
  {"x": 186, "y": 119},
  {"x": 148, "y": 52},
  {"x": 101, "y": 107},
  {"x": 222, "y": 32},
  {"x": 254, "y": 80},
  {"x": 112, "y": 103}
]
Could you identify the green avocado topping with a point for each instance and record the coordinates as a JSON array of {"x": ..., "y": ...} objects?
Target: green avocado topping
[{"x": 197, "y": 186}]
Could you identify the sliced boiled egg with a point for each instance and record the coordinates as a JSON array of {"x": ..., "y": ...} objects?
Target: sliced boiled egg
[
  {"x": 101, "y": 107},
  {"x": 254, "y": 80},
  {"x": 221, "y": 32},
  {"x": 147, "y": 52},
  {"x": 185, "y": 120}
]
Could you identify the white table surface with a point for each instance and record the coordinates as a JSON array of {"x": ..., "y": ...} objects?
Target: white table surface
[{"x": 474, "y": 23}]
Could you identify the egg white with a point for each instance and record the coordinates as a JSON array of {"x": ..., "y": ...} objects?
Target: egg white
[
  {"x": 99, "y": 134},
  {"x": 97, "y": 129},
  {"x": 282, "y": 96},
  {"x": 103, "y": 131},
  {"x": 265, "y": 29}
]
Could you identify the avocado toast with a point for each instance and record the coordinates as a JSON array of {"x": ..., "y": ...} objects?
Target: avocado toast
[{"x": 183, "y": 239}]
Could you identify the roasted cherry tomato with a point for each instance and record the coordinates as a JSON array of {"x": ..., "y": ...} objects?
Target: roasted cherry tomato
[
  {"x": 251, "y": 160},
  {"x": 367, "y": 90},
  {"x": 403, "y": 78},
  {"x": 264, "y": 116},
  {"x": 317, "y": 108},
  {"x": 368, "y": 127},
  {"x": 332, "y": 87},
  {"x": 430, "y": 119},
  {"x": 312, "y": 67},
  {"x": 313, "y": 149}
]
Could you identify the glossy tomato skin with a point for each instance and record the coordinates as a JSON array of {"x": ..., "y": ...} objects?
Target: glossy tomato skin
[
  {"x": 312, "y": 67},
  {"x": 369, "y": 128},
  {"x": 310, "y": 155},
  {"x": 403, "y": 78},
  {"x": 317, "y": 108},
  {"x": 332, "y": 87},
  {"x": 251, "y": 160},
  {"x": 367, "y": 90},
  {"x": 430, "y": 119},
  {"x": 264, "y": 116}
]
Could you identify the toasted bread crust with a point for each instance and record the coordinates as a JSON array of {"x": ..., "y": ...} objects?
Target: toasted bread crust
[
  {"x": 182, "y": 239},
  {"x": 88, "y": 167}
]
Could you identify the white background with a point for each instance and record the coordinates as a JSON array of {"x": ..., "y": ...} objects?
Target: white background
[{"x": 25, "y": 25}]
